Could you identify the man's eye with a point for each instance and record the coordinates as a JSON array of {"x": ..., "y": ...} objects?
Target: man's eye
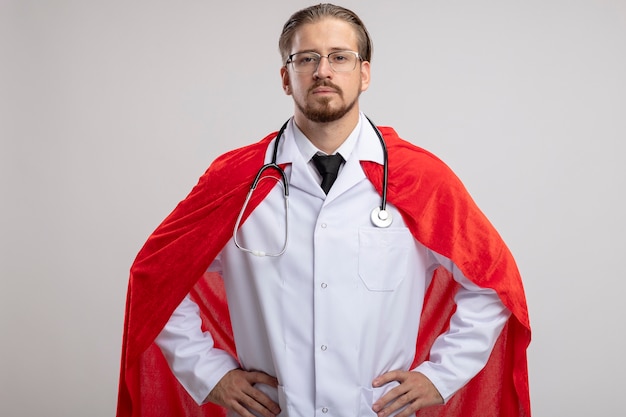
[
  {"x": 339, "y": 58},
  {"x": 308, "y": 59}
]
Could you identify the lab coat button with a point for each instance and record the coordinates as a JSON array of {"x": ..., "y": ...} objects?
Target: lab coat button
[
  {"x": 324, "y": 410},
  {"x": 324, "y": 285},
  {"x": 324, "y": 225},
  {"x": 324, "y": 347}
]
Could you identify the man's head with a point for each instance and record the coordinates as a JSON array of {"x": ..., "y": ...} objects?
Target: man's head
[
  {"x": 316, "y": 13},
  {"x": 325, "y": 88}
]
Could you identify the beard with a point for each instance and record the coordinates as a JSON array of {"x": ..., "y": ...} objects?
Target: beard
[{"x": 321, "y": 111}]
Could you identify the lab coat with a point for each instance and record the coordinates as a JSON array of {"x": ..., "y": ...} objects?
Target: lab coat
[{"x": 340, "y": 307}]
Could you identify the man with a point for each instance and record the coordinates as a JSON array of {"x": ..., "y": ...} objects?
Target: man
[{"x": 325, "y": 299}]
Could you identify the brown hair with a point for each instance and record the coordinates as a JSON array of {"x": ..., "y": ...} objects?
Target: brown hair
[{"x": 318, "y": 12}]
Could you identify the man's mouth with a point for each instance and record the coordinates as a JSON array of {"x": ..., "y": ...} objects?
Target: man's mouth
[{"x": 324, "y": 90}]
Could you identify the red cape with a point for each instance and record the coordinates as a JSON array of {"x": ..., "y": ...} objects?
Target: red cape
[{"x": 436, "y": 208}]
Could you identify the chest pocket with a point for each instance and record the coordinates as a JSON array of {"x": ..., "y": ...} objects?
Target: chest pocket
[{"x": 384, "y": 257}]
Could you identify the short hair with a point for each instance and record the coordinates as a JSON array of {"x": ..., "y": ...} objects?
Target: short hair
[{"x": 316, "y": 13}]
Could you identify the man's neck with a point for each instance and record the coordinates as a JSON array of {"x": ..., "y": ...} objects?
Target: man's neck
[{"x": 328, "y": 137}]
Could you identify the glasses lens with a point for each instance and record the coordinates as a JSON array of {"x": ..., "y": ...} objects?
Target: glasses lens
[
  {"x": 342, "y": 61},
  {"x": 305, "y": 61}
]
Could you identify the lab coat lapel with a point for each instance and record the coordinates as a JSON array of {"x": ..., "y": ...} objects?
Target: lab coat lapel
[
  {"x": 298, "y": 172},
  {"x": 302, "y": 178},
  {"x": 367, "y": 148},
  {"x": 351, "y": 174}
]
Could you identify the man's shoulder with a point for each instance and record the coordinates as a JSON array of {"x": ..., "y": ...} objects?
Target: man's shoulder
[
  {"x": 236, "y": 166},
  {"x": 403, "y": 152},
  {"x": 246, "y": 152}
]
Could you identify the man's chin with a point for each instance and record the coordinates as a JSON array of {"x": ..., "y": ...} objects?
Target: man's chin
[
  {"x": 325, "y": 113},
  {"x": 324, "y": 117}
]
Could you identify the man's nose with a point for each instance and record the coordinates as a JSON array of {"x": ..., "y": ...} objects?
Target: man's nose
[{"x": 323, "y": 69}]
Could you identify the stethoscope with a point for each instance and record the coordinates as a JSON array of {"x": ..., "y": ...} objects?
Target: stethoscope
[{"x": 380, "y": 217}]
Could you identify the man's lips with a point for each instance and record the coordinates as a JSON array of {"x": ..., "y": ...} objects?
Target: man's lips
[{"x": 324, "y": 90}]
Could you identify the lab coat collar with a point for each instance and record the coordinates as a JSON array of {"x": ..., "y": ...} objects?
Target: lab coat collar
[{"x": 296, "y": 150}]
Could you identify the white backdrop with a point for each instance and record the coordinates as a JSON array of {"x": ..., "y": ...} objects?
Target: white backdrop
[{"x": 110, "y": 111}]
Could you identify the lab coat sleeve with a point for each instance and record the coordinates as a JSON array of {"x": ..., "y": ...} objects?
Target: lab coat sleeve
[
  {"x": 194, "y": 360},
  {"x": 464, "y": 349}
]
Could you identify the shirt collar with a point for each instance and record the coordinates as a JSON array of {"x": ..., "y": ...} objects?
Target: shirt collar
[
  {"x": 307, "y": 149},
  {"x": 362, "y": 142}
]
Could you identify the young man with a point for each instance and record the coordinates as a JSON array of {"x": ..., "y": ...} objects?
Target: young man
[{"x": 335, "y": 308}]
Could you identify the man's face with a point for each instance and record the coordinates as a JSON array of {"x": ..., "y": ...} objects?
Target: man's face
[{"x": 325, "y": 95}]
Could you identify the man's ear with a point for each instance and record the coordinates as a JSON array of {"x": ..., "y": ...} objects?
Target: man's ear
[
  {"x": 365, "y": 75},
  {"x": 284, "y": 75}
]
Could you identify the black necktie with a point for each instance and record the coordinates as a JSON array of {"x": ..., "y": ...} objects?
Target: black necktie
[{"x": 328, "y": 167}]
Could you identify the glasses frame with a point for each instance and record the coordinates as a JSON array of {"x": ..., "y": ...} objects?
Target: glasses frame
[{"x": 320, "y": 56}]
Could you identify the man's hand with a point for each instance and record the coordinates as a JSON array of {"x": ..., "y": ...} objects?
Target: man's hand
[
  {"x": 236, "y": 392},
  {"x": 415, "y": 391}
]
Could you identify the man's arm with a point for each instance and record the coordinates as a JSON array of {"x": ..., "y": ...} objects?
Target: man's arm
[
  {"x": 194, "y": 360},
  {"x": 208, "y": 373},
  {"x": 461, "y": 352},
  {"x": 456, "y": 356}
]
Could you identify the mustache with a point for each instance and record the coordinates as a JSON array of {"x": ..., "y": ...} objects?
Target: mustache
[{"x": 326, "y": 83}]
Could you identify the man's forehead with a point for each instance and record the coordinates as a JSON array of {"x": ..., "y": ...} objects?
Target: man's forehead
[{"x": 327, "y": 33}]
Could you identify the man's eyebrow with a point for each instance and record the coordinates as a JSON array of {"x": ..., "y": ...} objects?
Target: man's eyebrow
[
  {"x": 305, "y": 50},
  {"x": 334, "y": 49}
]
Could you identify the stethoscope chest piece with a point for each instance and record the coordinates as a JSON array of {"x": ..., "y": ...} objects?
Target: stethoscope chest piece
[{"x": 381, "y": 218}]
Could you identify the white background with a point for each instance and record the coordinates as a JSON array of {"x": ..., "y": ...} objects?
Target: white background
[{"x": 110, "y": 111}]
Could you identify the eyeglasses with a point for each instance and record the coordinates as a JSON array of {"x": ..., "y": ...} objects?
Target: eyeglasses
[{"x": 340, "y": 61}]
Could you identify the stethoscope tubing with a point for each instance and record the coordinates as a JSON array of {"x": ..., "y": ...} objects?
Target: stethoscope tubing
[
  {"x": 273, "y": 164},
  {"x": 380, "y": 217}
]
